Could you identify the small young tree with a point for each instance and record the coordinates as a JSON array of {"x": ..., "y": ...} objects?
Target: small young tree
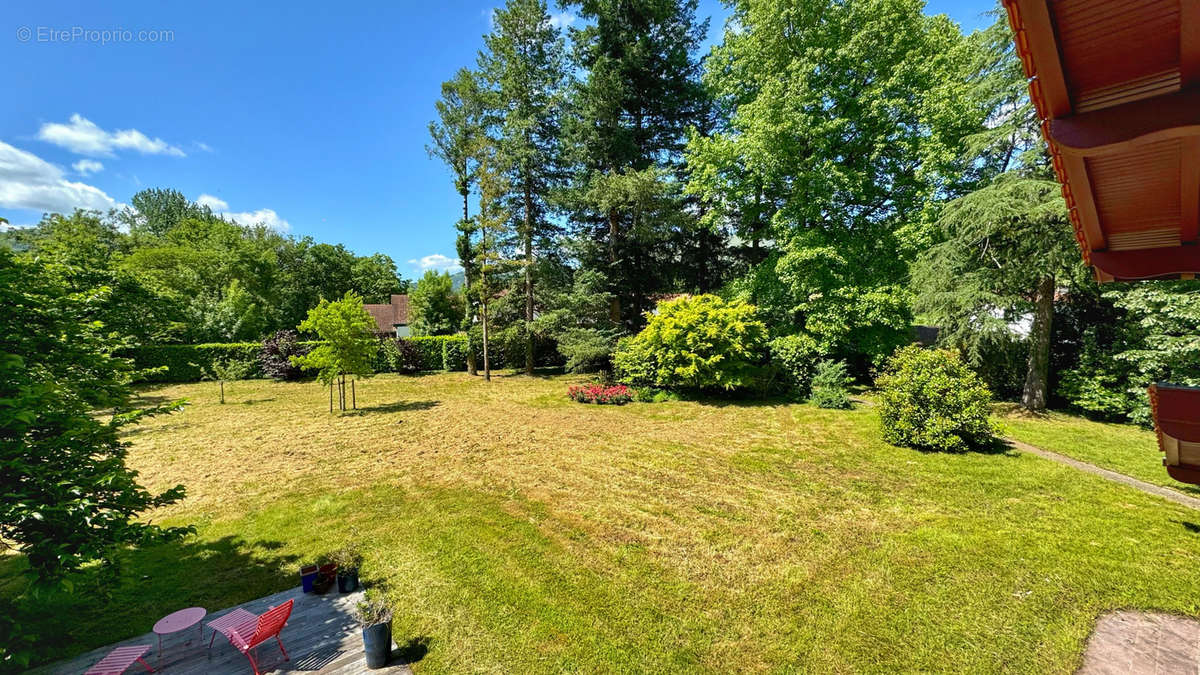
[
  {"x": 227, "y": 371},
  {"x": 348, "y": 344},
  {"x": 829, "y": 385},
  {"x": 577, "y": 317}
]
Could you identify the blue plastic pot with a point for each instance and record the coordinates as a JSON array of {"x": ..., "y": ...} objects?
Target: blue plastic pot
[
  {"x": 377, "y": 643},
  {"x": 308, "y": 575}
]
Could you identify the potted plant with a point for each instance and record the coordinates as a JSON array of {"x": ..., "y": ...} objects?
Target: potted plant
[
  {"x": 308, "y": 576},
  {"x": 375, "y": 617},
  {"x": 347, "y": 560},
  {"x": 326, "y": 575}
]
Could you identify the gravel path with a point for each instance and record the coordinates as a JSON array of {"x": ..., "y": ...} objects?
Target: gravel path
[{"x": 1148, "y": 488}]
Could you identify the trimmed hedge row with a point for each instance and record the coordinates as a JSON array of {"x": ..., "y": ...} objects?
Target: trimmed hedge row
[{"x": 187, "y": 363}]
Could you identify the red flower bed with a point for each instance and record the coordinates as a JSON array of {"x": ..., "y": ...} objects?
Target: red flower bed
[{"x": 598, "y": 393}]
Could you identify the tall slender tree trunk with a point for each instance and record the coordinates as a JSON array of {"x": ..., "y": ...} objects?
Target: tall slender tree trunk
[
  {"x": 1037, "y": 374},
  {"x": 614, "y": 305},
  {"x": 471, "y": 368},
  {"x": 487, "y": 365},
  {"x": 528, "y": 236}
]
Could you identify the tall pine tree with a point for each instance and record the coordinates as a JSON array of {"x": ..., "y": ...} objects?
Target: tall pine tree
[
  {"x": 639, "y": 94},
  {"x": 524, "y": 64},
  {"x": 462, "y": 120}
]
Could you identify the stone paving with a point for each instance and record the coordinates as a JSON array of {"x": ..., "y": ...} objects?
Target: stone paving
[{"x": 1137, "y": 643}]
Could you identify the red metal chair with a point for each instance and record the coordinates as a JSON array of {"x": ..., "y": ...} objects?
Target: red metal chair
[
  {"x": 119, "y": 659},
  {"x": 246, "y": 631}
]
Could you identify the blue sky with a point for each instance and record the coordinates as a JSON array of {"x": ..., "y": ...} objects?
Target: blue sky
[{"x": 308, "y": 116}]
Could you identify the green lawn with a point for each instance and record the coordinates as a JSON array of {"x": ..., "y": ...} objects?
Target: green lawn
[
  {"x": 520, "y": 532},
  {"x": 1123, "y": 448}
]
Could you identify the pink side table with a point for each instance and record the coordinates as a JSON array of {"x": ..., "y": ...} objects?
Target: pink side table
[{"x": 176, "y": 622}]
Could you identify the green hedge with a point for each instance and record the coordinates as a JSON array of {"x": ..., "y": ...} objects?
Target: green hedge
[
  {"x": 186, "y": 363},
  {"x": 429, "y": 350},
  {"x": 454, "y": 353}
]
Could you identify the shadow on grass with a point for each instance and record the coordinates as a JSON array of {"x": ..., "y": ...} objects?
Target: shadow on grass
[
  {"x": 992, "y": 446},
  {"x": 538, "y": 373},
  {"x": 412, "y": 651},
  {"x": 398, "y": 406},
  {"x": 254, "y": 401},
  {"x": 1188, "y": 525},
  {"x": 733, "y": 401},
  {"x": 153, "y": 582}
]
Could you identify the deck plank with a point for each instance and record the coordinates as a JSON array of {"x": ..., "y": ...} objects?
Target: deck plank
[{"x": 321, "y": 636}]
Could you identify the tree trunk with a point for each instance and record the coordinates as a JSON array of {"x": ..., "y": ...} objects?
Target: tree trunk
[
  {"x": 1037, "y": 374},
  {"x": 487, "y": 366},
  {"x": 528, "y": 279},
  {"x": 614, "y": 305},
  {"x": 331, "y": 397},
  {"x": 353, "y": 396},
  {"x": 471, "y": 368},
  {"x": 222, "y": 392}
]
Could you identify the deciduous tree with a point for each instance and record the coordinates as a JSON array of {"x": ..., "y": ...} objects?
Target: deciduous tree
[
  {"x": 347, "y": 343},
  {"x": 1005, "y": 246},
  {"x": 434, "y": 307}
]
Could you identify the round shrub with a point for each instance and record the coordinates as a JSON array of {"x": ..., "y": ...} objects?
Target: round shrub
[
  {"x": 275, "y": 355},
  {"x": 695, "y": 342},
  {"x": 930, "y": 399},
  {"x": 796, "y": 357},
  {"x": 829, "y": 385}
]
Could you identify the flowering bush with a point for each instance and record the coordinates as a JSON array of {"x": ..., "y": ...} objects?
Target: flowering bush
[{"x": 598, "y": 393}]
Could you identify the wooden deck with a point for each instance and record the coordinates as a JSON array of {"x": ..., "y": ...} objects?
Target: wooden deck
[{"x": 321, "y": 636}]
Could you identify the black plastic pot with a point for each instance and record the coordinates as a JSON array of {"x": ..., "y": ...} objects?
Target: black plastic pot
[
  {"x": 347, "y": 580},
  {"x": 377, "y": 643}
]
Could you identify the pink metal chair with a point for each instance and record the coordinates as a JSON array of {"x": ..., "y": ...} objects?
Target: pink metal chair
[
  {"x": 246, "y": 631},
  {"x": 119, "y": 659}
]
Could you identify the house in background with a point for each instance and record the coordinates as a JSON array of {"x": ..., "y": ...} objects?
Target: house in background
[{"x": 391, "y": 319}]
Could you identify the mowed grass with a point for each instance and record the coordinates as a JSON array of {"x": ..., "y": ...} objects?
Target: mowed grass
[
  {"x": 517, "y": 531},
  {"x": 1124, "y": 448}
]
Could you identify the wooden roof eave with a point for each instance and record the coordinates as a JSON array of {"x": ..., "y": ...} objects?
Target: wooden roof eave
[{"x": 1074, "y": 137}]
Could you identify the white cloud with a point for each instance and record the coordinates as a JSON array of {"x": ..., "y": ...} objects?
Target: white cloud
[
  {"x": 201, "y": 145},
  {"x": 214, "y": 203},
  {"x": 85, "y": 166},
  {"x": 266, "y": 217},
  {"x": 562, "y": 19},
  {"x": 30, "y": 182},
  {"x": 437, "y": 261},
  {"x": 82, "y": 136}
]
